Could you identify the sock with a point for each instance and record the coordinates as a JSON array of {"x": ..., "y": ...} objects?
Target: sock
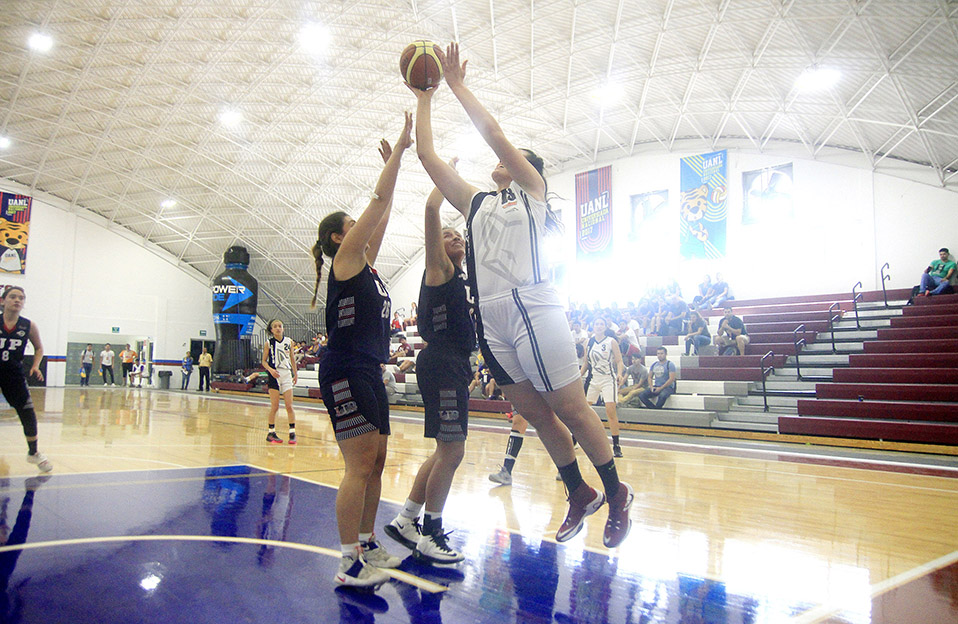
[
  {"x": 431, "y": 522},
  {"x": 364, "y": 538},
  {"x": 292, "y": 429},
  {"x": 351, "y": 550},
  {"x": 512, "y": 450},
  {"x": 615, "y": 440},
  {"x": 411, "y": 509},
  {"x": 272, "y": 428},
  {"x": 32, "y": 445},
  {"x": 571, "y": 476},
  {"x": 610, "y": 478}
]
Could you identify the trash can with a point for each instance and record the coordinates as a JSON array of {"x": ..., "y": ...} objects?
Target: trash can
[{"x": 164, "y": 379}]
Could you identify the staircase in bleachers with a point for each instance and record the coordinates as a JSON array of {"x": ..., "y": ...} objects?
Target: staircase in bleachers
[{"x": 902, "y": 387}]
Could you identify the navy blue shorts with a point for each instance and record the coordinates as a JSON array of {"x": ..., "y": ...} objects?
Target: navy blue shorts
[
  {"x": 355, "y": 399},
  {"x": 443, "y": 379}
]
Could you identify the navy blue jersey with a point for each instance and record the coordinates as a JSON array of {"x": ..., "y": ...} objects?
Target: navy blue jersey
[
  {"x": 13, "y": 342},
  {"x": 445, "y": 315},
  {"x": 357, "y": 318}
]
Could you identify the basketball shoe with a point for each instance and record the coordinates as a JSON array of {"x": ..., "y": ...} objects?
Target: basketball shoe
[
  {"x": 584, "y": 502},
  {"x": 405, "y": 531}
]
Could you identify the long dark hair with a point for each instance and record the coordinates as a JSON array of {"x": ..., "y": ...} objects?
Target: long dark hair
[
  {"x": 553, "y": 225},
  {"x": 331, "y": 224}
]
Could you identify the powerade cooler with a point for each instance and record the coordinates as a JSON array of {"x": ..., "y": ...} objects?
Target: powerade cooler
[{"x": 234, "y": 312}]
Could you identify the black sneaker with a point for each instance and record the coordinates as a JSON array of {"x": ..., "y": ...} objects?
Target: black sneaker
[
  {"x": 616, "y": 450},
  {"x": 272, "y": 438}
]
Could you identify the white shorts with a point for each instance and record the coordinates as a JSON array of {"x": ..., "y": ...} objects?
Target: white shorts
[
  {"x": 525, "y": 335},
  {"x": 285, "y": 382},
  {"x": 604, "y": 386}
]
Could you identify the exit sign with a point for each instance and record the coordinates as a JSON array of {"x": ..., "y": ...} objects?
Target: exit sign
[
  {"x": 116, "y": 330},
  {"x": 202, "y": 332}
]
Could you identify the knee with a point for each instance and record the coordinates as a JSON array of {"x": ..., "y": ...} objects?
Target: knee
[{"x": 451, "y": 453}]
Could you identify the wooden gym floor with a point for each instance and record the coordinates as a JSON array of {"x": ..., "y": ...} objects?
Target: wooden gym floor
[{"x": 169, "y": 506}]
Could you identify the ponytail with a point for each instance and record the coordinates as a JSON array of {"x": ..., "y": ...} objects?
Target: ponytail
[{"x": 331, "y": 224}]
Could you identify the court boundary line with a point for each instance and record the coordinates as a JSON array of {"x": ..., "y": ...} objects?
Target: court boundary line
[
  {"x": 821, "y": 612},
  {"x": 399, "y": 575}
]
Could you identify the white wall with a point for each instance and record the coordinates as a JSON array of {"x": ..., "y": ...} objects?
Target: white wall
[
  {"x": 848, "y": 222},
  {"x": 84, "y": 277}
]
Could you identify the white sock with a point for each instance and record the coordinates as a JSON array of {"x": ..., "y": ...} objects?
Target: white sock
[
  {"x": 365, "y": 537},
  {"x": 411, "y": 509},
  {"x": 351, "y": 550}
]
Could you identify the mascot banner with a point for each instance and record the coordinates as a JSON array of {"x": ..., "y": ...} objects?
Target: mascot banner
[
  {"x": 593, "y": 200},
  {"x": 704, "y": 211},
  {"x": 14, "y": 232}
]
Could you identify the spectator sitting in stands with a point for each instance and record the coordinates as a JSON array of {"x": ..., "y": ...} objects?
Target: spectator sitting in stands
[
  {"x": 413, "y": 316},
  {"x": 732, "y": 337},
  {"x": 629, "y": 395},
  {"x": 396, "y": 326},
  {"x": 628, "y": 336},
  {"x": 661, "y": 381},
  {"x": 677, "y": 314},
  {"x": 701, "y": 301},
  {"x": 579, "y": 335},
  {"x": 719, "y": 293},
  {"x": 659, "y": 312},
  {"x": 698, "y": 335},
  {"x": 937, "y": 276},
  {"x": 389, "y": 381},
  {"x": 403, "y": 350}
]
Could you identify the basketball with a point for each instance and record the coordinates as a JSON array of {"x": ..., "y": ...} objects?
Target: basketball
[{"x": 419, "y": 65}]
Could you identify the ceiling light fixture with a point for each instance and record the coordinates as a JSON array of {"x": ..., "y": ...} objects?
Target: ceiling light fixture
[
  {"x": 168, "y": 203},
  {"x": 40, "y": 42},
  {"x": 607, "y": 94},
  {"x": 230, "y": 117},
  {"x": 816, "y": 78},
  {"x": 314, "y": 38},
  {"x": 4, "y": 142}
]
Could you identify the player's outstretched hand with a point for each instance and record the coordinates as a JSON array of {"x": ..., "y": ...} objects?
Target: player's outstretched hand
[
  {"x": 454, "y": 72},
  {"x": 405, "y": 138}
]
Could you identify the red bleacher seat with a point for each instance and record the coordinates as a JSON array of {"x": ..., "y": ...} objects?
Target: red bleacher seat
[
  {"x": 896, "y": 375},
  {"x": 889, "y": 392}
]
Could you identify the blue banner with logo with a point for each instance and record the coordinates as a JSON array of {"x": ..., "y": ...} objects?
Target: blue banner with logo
[{"x": 704, "y": 205}]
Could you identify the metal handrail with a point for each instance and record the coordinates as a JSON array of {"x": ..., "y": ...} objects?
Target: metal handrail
[
  {"x": 855, "y": 298},
  {"x": 884, "y": 278},
  {"x": 765, "y": 373},
  {"x": 831, "y": 322},
  {"x": 799, "y": 344}
]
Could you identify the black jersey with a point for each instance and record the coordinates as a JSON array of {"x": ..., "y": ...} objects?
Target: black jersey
[
  {"x": 13, "y": 343},
  {"x": 357, "y": 318},
  {"x": 445, "y": 315}
]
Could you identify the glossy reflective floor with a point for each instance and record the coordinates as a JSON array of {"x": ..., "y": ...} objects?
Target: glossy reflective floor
[{"x": 170, "y": 507}]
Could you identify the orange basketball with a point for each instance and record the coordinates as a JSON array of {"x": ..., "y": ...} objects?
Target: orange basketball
[{"x": 419, "y": 65}]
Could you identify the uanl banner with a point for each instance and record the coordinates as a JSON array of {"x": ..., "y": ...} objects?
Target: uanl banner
[
  {"x": 704, "y": 212},
  {"x": 14, "y": 232},
  {"x": 593, "y": 200}
]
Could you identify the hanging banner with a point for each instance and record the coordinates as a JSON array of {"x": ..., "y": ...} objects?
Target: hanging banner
[
  {"x": 704, "y": 205},
  {"x": 593, "y": 200},
  {"x": 14, "y": 232},
  {"x": 767, "y": 195}
]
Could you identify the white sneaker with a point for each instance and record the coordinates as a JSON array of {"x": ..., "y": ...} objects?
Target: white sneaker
[
  {"x": 376, "y": 555},
  {"x": 503, "y": 477},
  {"x": 113, "y": 385},
  {"x": 41, "y": 461},
  {"x": 405, "y": 531},
  {"x": 435, "y": 549},
  {"x": 355, "y": 572}
]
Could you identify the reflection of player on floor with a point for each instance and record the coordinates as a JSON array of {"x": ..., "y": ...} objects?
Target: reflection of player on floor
[
  {"x": 357, "y": 319},
  {"x": 279, "y": 363},
  {"x": 523, "y": 331},
  {"x": 14, "y": 537},
  {"x": 443, "y": 372},
  {"x": 14, "y": 335}
]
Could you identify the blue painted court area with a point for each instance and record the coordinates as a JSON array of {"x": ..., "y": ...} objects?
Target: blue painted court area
[{"x": 148, "y": 547}]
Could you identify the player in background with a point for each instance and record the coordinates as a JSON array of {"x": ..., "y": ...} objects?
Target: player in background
[
  {"x": 278, "y": 361},
  {"x": 603, "y": 356},
  {"x": 14, "y": 335}
]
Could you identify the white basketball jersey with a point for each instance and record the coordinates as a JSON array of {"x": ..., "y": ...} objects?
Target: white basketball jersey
[
  {"x": 505, "y": 231},
  {"x": 601, "y": 358},
  {"x": 281, "y": 353}
]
